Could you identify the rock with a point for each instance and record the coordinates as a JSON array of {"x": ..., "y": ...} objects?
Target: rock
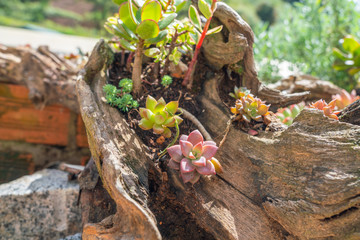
[
  {"x": 39, "y": 206},
  {"x": 73, "y": 237}
]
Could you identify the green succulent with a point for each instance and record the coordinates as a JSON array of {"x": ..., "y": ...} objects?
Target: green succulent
[
  {"x": 120, "y": 98},
  {"x": 240, "y": 92},
  {"x": 126, "y": 85},
  {"x": 287, "y": 115},
  {"x": 159, "y": 116},
  {"x": 140, "y": 24},
  {"x": 166, "y": 80},
  {"x": 249, "y": 107}
]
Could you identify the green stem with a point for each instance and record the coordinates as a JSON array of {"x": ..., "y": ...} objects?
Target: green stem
[{"x": 163, "y": 152}]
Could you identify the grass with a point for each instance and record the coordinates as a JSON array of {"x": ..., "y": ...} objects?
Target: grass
[{"x": 74, "y": 30}]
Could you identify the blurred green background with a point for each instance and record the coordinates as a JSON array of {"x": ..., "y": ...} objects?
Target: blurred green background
[{"x": 302, "y": 32}]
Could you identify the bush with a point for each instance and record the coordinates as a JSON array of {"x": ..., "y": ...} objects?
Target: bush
[{"x": 305, "y": 35}]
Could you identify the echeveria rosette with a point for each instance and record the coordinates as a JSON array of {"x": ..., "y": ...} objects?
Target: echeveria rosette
[
  {"x": 248, "y": 107},
  {"x": 159, "y": 116},
  {"x": 327, "y": 108},
  {"x": 193, "y": 157}
]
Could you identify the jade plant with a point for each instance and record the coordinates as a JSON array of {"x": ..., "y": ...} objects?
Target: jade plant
[
  {"x": 140, "y": 24},
  {"x": 207, "y": 8},
  {"x": 248, "y": 107},
  {"x": 177, "y": 43},
  {"x": 344, "y": 98},
  {"x": 327, "y": 108},
  {"x": 159, "y": 116},
  {"x": 120, "y": 98},
  {"x": 194, "y": 157},
  {"x": 288, "y": 114}
]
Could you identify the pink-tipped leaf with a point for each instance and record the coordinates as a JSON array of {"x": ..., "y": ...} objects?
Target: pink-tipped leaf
[
  {"x": 209, "y": 151},
  {"x": 175, "y": 153},
  {"x": 186, "y": 166},
  {"x": 186, "y": 148},
  {"x": 195, "y": 137}
]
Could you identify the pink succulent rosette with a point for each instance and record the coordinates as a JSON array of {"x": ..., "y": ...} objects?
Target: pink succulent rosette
[{"x": 193, "y": 157}]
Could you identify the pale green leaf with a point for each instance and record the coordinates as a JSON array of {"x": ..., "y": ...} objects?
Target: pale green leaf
[
  {"x": 151, "y": 10},
  {"x": 152, "y": 52},
  {"x": 205, "y": 8},
  {"x": 148, "y": 29},
  {"x": 214, "y": 30},
  {"x": 194, "y": 17},
  {"x": 167, "y": 20},
  {"x": 124, "y": 15}
]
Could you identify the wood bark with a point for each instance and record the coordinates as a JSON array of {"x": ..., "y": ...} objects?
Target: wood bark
[
  {"x": 49, "y": 78},
  {"x": 301, "y": 182}
]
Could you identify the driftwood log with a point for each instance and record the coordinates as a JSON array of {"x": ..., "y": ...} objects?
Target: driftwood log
[
  {"x": 49, "y": 78},
  {"x": 319, "y": 89},
  {"x": 301, "y": 182}
]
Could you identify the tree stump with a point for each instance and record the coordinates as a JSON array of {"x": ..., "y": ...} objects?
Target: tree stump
[{"x": 300, "y": 182}]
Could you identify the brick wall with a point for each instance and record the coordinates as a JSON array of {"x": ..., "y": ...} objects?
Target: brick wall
[{"x": 54, "y": 130}]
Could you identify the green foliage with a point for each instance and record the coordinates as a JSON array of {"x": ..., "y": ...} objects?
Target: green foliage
[
  {"x": 142, "y": 20},
  {"x": 349, "y": 59},
  {"x": 159, "y": 116},
  {"x": 305, "y": 35},
  {"x": 126, "y": 85},
  {"x": 287, "y": 115},
  {"x": 120, "y": 98},
  {"x": 176, "y": 42},
  {"x": 166, "y": 80}
]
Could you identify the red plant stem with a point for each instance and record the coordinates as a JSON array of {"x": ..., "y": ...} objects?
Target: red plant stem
[
  {"x": 188, "y": 77},
  {"x": 129, "y": 60}
]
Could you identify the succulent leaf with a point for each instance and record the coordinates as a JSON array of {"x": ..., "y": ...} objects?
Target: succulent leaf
[
  {"x": 209, "y": 169},
  {"x": 328, "y": 109},
  {"x": 214, "y": 30},
  {"x": 195, "y": 137},
  {"x": 160, "y": 116},
  {"x": 186, "y": 148},
  {"x": 186, "y": 166},
  {"x": 172, "y": 107},
  {"x": 146, "y": 124},
  {"x": 167, "y": 21},
  {"x": 124, "y": 15},
  {"x": 205, "y": 8},
  {"x": 194, "y": 17},
  {"x": 174, "y": 165},
  {"x": 175, "y": 153},
  {"x": 151, "y": 10},
  {"x": 196, "y": 159},
  {"x": 148, "y": 29},
  {"x": 150, "y": 103},
  {"x": 158, "y": 129}
]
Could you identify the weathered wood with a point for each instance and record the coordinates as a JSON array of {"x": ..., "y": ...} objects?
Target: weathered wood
[
  {"x": 319, "y": 89},
  {"x": 300, "y": 182},
  {"x": 49, "y": 78},
  {"x": 234, "y": 47},
  {"x": 120, "y": 159},
  {"x": 351, "y": 114}
]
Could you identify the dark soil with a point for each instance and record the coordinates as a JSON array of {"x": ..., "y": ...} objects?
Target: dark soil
[
  {"x": 174, "y": 222},
  {"x": 154, "y": 88}
]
